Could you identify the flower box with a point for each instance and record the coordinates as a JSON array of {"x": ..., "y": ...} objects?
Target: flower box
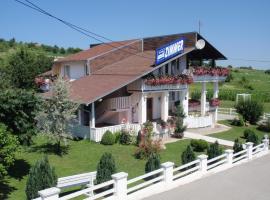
[{"x": 215, "y": 102}]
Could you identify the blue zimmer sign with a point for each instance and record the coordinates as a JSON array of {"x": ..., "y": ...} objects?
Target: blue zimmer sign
[{"x": 169, "y": 50}]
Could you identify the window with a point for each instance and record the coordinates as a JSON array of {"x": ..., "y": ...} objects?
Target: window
[
  {"x": 160, "y": 71},
  {"x": 173, "y": 66},
  {"x": 86, "y": 69},
  {"x": 67, "y": 71},
  {"x": 166, "y": 69}
]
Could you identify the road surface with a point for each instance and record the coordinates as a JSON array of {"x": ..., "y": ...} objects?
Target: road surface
[{"x": 249, "y": 181}]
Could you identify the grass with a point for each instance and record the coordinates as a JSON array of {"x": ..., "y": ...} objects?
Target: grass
[
  {"x": 82, "y": 156},
  {"x": 237, "y": 132},
  {"x": 230, "y": 104}
]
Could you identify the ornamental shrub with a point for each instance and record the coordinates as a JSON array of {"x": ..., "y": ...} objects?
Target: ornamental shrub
[
  {"x": 106, "y": 167},
  {"x": 237, "y": 146},
  {"x": 41, "y": 176},
  {"x": 188, "y": 155},
  {"x": 179, "y": 124},
  {"x": 125, "y": 138},
  {"x": 199, "y": 145},
  {"x": 250, "y": 110},
  {"x": 153, "y": 163},
  {"x": 108, "y": 138},
  {"x": 214, "y": 150},
  {"x": 238, "y": 122},
  {"x": 252, "y": 137},
  {"x": 117, "y": 135},
  {"x": 247, "y": 132}
]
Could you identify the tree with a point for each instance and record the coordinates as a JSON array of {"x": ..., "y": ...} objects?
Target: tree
[
  {"x": 8, "y": 147},
  {"x": 179, "y": 124},
  {"x": 41, "y": 176},
  {"x": 57, "y": 112},
  {"x": 24, "y": 65},
  {"x": 250, "y": 110},
  {"x": 252, "y": 137},
  {"x": 188, "y": 155},
  {"x": 214, "y": 150},
  {"x": 152, "y": 163},
  {"x": 18, "y": 109},
  {"x": 106, "y": 167},
  {"x": 237, "y": 146}
]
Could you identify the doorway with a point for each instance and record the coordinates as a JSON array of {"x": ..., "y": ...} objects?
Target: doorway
[{"x": 149, "y": 109}]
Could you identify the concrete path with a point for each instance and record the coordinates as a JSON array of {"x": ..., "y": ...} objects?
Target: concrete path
[
  {"x": 208, "y": 139},
  {"x": 209, "y": 130},
  {"x": 249, "y": 181}
]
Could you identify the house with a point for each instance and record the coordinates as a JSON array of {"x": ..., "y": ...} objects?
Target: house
[{"x": 130, "y": 82}]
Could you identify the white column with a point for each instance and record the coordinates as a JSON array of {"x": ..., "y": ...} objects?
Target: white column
[
  {"x": 266, "y": 144},
  {"x": 120, "y": 185},
  {"x": 142, "y": 109},
  {"x": 203, "y": 163},
  {"x": 168, "y": 172},
  {"x": 215, "y": 95},
  {"x": 164, "y": 106},
  {"x": 49, "y": 194},
  {"x": 93, "y": 120},
  {"x": 249, "y": 146},
  {"x": 80, "y": 115},
  {"x": 203, "y": 99},
  {"x": 229, "y": 156},
  {"x": 184, "y": 100}
]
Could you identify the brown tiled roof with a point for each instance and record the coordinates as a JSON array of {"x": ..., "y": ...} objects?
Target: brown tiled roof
[
  {"x": 94, "y": 51},
  {"x": 112, "y": 77}
]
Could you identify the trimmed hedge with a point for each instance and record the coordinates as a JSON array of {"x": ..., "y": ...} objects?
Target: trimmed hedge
[
  {"x": 199, "y": 145},
  {"x": 108, "y": 138}
]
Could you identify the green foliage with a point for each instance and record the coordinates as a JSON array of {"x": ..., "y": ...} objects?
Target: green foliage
[
  {"x": 41, "y": 176},
  {"x": 250, "y": 110},
  {"x": 139, "y": 138},
  {"x": 267, "y": 71},
  {"x": 252, "y": 137},
  {"x": 188, "y": 155},
  {"x": 18, "y": 109},
  {"x": 57, "y": 113},
  {"x": 247, "y": 132},
  {"x": 117, "y": 135},
  {"x": 238, "y": 122},
  {"x": 125, "y": 138},
  {"x": 106, "y": 167},
  {"x": 229, "y": 78},
  {"x": 237, "y": 146},
  {"x": 199, "y": 145},
  {"x": 179, "y": 124},
  {"x": 8, "y": 147},
  {"x": 23, "y": 66},
  {"x": 108, "y": 138},
  {"x": 153, "y": 163},
  {"x": 265, "y": 125},
  {"x": 214, "y": 150}
]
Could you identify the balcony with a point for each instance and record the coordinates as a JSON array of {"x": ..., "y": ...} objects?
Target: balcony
[{"x": 207, "y": 74}]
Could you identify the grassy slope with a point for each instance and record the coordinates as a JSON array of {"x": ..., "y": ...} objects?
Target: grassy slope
[
  {"x": 83, "y": 156},
  {"x": 237, "y": 132}
]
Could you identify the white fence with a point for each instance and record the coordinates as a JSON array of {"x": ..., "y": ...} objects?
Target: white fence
[
  {"x": 97, "y": 133},
  {"x": 165, "y": 178},
  {"x": 227, "y": 111},
  {"x": 117, "y": 103},
  {"x": 198, "y": 122},
  {"x": 208, "y": 78}
]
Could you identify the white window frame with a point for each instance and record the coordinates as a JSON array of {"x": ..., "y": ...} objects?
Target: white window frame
[{"x": 67, "y": 71}]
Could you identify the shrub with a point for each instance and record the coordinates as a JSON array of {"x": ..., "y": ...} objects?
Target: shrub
[
  {"x": 238, "y": 122},
  {"x": 237, "y": 146},
  {"x": 108, "y": 138},
  {"x": 199, "y": 145},
  {"x": 152, "y": 163},
  {"x": 250, "y": 110},
  {"x": 265, "y": 125},
  {"x": 41, "y": 176},
  {"x": 247, "y": 132},
  {"x": 214, "y": 150},
  {"x": 147, "y": 148},
  {"x": 252, "y": 137},
  {"x": 106, "y": 167},
  {"x": 188, "y": 155},
  {"x": 125, "y": 138},
  {"x": 117, "y": 135},
  {"x": 139, "y": 138},
  {"x": 179, "y": 125}
]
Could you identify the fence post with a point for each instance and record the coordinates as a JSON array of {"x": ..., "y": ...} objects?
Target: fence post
[
  {"x": 120, "y": 185},
  {"x": 229, "y": 156},
  {"x": 49, "y": 194},
  {"x": 249, "y": 146},
  {"x": 266, "y": 144},
  {"x": 203, "y": 163},
  {"x": 168, "y": 172}
]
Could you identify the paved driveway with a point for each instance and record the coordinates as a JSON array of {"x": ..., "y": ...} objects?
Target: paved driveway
[{"x": 249, "y": 181}]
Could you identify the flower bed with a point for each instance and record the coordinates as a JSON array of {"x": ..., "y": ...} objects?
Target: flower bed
[
  {"x": 212, "y": 71},
  {"x": 193, "y": 103},
  {"x": 215, "y": 102},
  {"x": 162, "y": 80}
]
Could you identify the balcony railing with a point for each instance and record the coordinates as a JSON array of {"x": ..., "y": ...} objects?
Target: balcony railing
[{"x": 208, "y": 78}]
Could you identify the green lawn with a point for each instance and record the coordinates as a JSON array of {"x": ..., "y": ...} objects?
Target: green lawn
[
  {"x": 82, "y": 156},
  {"x": 237, "y": 132},
  {"x": 230, "y": 104}
]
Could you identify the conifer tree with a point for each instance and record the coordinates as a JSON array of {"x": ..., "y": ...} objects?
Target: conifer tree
[
  {"x": 106, "y": 167},
  {"x": 188, "y": 155}
]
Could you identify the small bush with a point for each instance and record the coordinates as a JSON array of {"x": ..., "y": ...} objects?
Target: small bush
[
  {"x": 108, "y": 138},
  {"x": 117, "y": 135},
  {"x": 238, "y": 122},
  {"x": 41, "y": 176},
  {"x": 214, "y": 150},
  {"x": 265, "y": 126},
  {"x": 237, "y": 146},
  {"x": 247, "y": 132},
  {"x": 147, "y": 148},
  {"x": 252, "y": 137},
  {"x": 199, "y": 145},
  {"x": 106, "y": 167},
  {"x": 188, "y": 155},
  {"x": 153, "y": 163},
  {"x": 125, "y": 138},
  {"x": 139, "y": 138}
]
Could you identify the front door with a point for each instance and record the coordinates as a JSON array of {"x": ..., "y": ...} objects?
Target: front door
[{"x": 149, "y": 109}]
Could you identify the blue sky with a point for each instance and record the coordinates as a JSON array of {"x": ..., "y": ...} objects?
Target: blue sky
[{"x": 238, "y": 28}]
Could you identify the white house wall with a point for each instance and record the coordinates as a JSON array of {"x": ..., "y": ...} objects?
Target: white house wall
[{"x": 77, "y": 69}]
